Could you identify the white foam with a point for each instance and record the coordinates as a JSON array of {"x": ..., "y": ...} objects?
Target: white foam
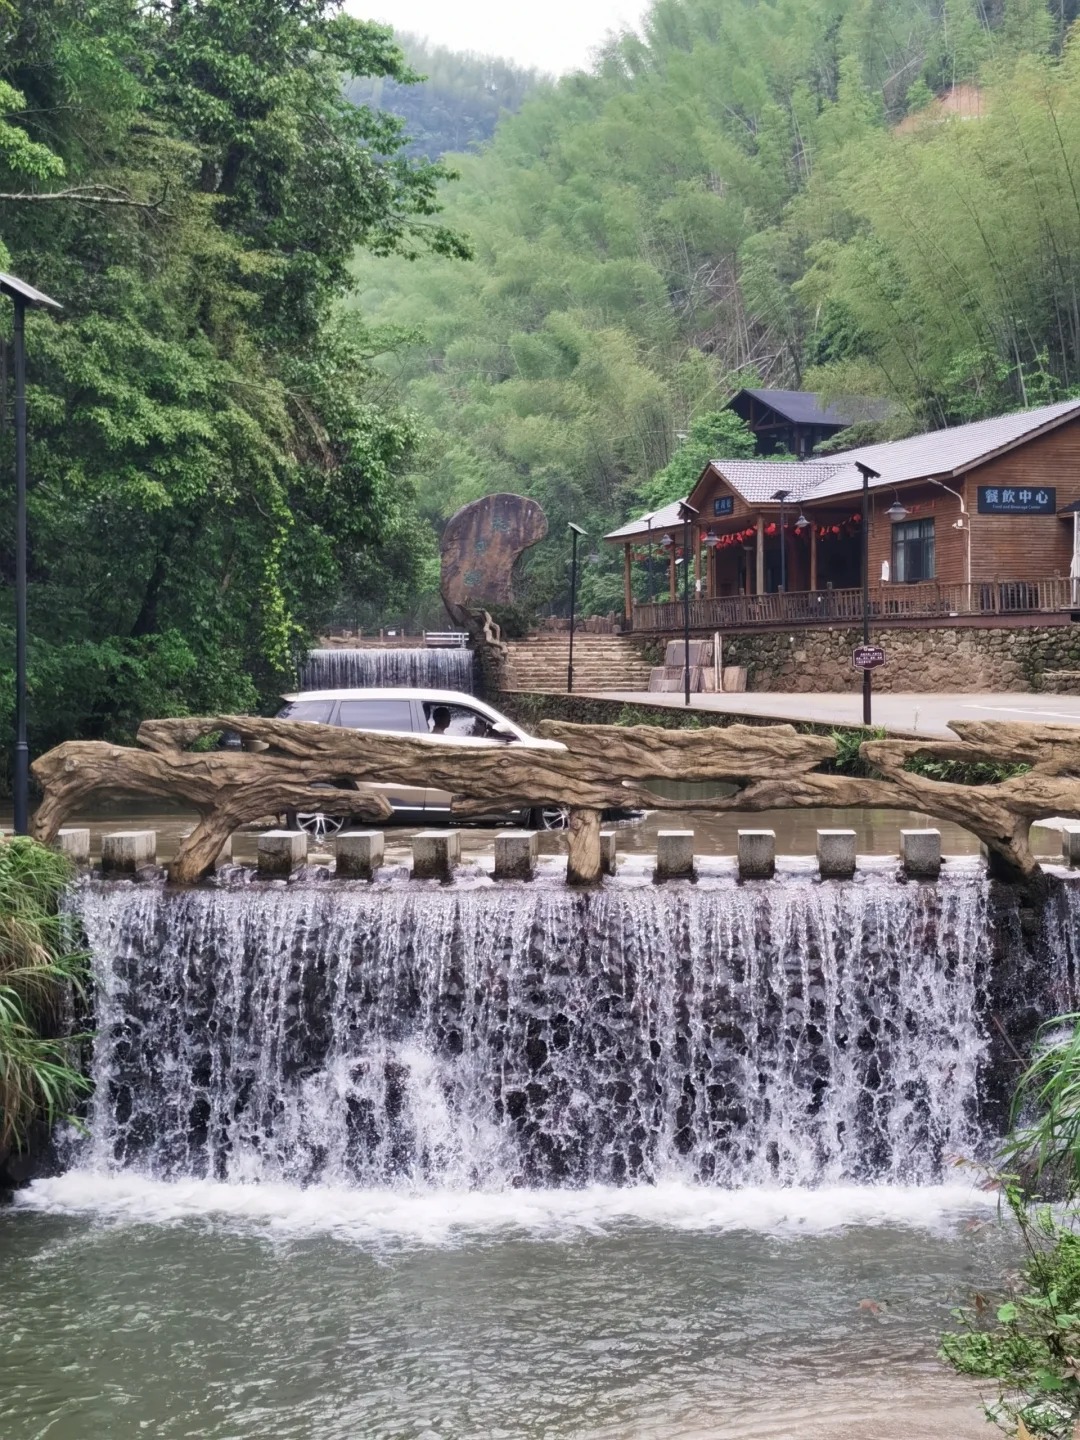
[{"x": 448, "y": 1217}]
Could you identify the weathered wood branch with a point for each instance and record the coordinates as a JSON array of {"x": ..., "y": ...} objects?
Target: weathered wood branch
[
  {"x": 590, "y": 769},
  {"x": 227, "y": 789}
]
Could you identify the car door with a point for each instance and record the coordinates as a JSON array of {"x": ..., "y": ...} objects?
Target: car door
[
  {"x": 390, "y": 716},
  {"x": 442, "y": 718}
]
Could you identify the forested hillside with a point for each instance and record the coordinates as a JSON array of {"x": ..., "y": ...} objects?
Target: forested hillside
[
  {"x": 732, "y": 196},
  {"x": 212, "y": 459},
  {"x": 456, "y": 105}
]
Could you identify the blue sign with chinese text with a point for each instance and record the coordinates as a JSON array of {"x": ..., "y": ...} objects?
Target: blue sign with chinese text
[
  {"x": 1017, "y": 499},
  {"x": 724, "y": 505}
]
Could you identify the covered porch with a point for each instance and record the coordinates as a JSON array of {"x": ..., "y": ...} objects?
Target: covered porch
[
  {"x": 931, "y": 601},
  {"x": 740, "y": 554}
]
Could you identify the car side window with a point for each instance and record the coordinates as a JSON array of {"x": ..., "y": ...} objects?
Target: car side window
[
  {"x": 393, "y": 715},
  {"x": 315, "y": 712},
  {"x": 454, "y": 720}
]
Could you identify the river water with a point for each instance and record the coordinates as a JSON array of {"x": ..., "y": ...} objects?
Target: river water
[
  {"x": 266, "y": 1313},
  {"x": 399, "y": 1163}
]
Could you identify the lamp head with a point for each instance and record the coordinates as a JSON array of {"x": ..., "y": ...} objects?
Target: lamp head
[
  {"x": 667, "y": 542},
  {"x": 712, "y": 539},
  {"x": 801, "y": 523},
  {"x": 17, "y": 289},
  {"x": 896, "y": 511}
]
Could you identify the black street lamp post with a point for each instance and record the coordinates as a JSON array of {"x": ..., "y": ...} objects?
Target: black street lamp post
[
  {"x": 687, "y": 513},
  {"x": 22, "y": 296},
  {"x": 867, "y": 475},
  {"x": 782, "y": 496},
  {"x": 575, "y": 531}
]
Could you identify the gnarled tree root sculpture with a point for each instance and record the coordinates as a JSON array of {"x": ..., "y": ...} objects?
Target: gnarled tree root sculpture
[
  {"x": 597, "y": 767},
  {"x": 228, "y": 788}
]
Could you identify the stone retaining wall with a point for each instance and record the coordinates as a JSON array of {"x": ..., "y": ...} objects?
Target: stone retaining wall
[{"x": 932, "y": 660}]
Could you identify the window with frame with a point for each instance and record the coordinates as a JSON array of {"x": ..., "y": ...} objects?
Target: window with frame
[
  {"x": 314, "y": 712},
  {"x": 913, "y": 551},
  {"x": 394, "y": 716},
  {"x": 455, "y": 720}
]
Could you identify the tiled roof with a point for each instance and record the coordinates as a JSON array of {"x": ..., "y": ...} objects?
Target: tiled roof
[
  {"x": 661, "y": 519},
  {"x": 804, "y": 407},
  {"x": 757, "y": 481},
  {"x": 939, "y": 453},
  {"x": 944, "y": 452}
]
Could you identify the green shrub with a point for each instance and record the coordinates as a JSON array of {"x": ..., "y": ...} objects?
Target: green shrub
[
  {"x": 40, "y": 966},
  {"x": 1027, "y": 1340}
]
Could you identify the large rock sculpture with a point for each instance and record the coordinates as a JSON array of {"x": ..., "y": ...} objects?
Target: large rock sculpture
[{"x": 480, "y": 547}]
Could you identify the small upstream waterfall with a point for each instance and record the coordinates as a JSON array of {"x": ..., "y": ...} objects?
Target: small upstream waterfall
[
  {"x": 435, "y": 668},
  {"x": 794, "y": 1032}
]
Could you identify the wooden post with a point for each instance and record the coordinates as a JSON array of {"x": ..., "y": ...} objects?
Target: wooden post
[
  {"x": 628, "y": 588},
  {"x": 584, "y": 860},
  {"x": 672, "y": 596},
  {"x": 760, "y": 574},
  {"x": 697, "y": 562},
  {"x": 813, "y": 555}
]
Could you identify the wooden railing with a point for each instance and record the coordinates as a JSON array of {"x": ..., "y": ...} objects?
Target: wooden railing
[{"x": 925, "y": 601}]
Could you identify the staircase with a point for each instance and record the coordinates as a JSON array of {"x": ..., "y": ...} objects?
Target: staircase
[{"x": 601, "y": 662}]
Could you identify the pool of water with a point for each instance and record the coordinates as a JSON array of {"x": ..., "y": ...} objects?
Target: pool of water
[
  {"x": 230, "y": 1312},
  {"x": 877, "y": 831}
]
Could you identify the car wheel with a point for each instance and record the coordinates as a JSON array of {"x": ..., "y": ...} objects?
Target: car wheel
[
  {"x": 551, "y": 817},
  {"x": 317, "y": 824}
]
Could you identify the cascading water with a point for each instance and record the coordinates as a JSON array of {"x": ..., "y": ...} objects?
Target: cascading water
[
  {"x": 791, "y": 1033},
  {"x": 436, "y": 668}
]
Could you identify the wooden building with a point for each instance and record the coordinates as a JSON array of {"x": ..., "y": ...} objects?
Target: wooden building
[
  {"x": 976, "y": 519},
  {"x": 794, "y": 421}
]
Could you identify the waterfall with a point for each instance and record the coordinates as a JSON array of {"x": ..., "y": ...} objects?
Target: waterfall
[
  {"x": 793, "y": 1033},
  {"x": 434, "y": 669}
]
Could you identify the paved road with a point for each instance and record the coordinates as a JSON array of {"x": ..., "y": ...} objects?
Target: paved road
[{"x": 901, "y": 714}]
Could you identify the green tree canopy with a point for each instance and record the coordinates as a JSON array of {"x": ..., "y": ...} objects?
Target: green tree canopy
[
  {"x": 214, "y": 459},
  {"x": 719, "y": 435},
  {"x": 758, "y": 192}
]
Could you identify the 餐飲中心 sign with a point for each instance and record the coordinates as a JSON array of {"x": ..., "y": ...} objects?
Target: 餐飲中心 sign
[{"x": 1017, "y": 499}]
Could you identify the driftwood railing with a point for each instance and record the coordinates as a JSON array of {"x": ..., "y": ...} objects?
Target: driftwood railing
[
  {"x": 924, "y": 601},
  {"x": 600, "y": 767}
]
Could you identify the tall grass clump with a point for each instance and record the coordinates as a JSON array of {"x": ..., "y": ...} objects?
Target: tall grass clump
[
  {"x": 1026, "y": 1340},
  {"x": 40, "y": 970}
]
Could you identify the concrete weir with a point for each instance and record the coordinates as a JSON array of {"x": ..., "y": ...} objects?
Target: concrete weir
[
  {"x": 836, "y": 854},
  {"x": 516, "y": 856},
  {"x": 674, "y": 855},
  {"x": 757, "y": 854},
  {"x": 435, "y": 854},
  {"x": 125, "y": 851},
  {"x": 281, "y": 852},
  {"x": 358, "y": 854},
  {"x": 75, "y": 844}
]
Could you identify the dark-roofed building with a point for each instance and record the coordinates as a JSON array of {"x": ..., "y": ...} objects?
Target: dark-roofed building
[
  {"x": 796, "y": 420},
  {"x": 977, "y": 519}
]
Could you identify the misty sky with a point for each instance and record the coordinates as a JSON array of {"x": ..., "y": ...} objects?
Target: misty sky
[{"x": 553, "y": 35}]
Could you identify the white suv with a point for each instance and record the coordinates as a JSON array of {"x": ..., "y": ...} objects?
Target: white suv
[{"x": 444, "y": 717}]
